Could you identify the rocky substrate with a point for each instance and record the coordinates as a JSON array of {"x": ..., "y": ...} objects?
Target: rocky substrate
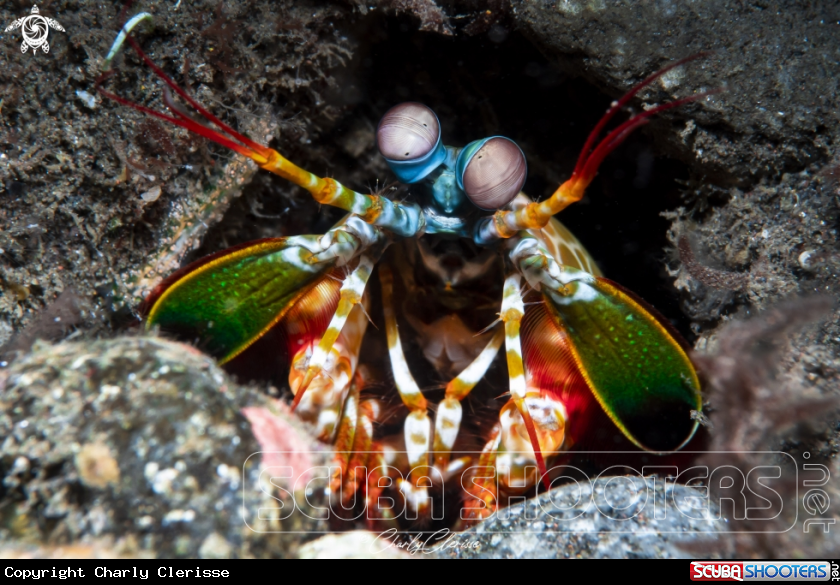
[
  {"x": 138, "y": 446},
  {"x": 609, "y": 518}
]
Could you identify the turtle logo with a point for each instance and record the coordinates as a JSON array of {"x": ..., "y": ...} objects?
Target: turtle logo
[{"x": 35, "y": 29}]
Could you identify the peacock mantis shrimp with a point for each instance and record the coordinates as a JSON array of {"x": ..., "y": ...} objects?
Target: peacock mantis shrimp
[{"x": 575, "y": 343}]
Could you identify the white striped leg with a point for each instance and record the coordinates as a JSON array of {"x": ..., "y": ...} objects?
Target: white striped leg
[
  {"x": 418, "y": 426},
  {"x": 513, "y": 309},
  {"x": 350, "y": 296},
  {"x": 448, "y": 418}
]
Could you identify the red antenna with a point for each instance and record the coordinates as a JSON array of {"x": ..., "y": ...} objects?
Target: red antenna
[
  {"x": 228, "y": 137},
  {"x": 591, "y": 158}
]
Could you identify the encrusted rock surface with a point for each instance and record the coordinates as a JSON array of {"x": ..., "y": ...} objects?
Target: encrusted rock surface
[
  {"x": 777, "y": 60},
  {"x": 73, "y": 170},
  {"x": 137, "y": 446},
  {"x": 610, "y": 517}
]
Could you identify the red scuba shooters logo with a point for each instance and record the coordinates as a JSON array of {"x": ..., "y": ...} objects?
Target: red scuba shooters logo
[
  {"x": 717, "y": 571},
  {"x": 762, "y": 571}
]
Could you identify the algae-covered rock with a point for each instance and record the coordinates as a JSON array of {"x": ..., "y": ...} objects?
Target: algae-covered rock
[
  {"x": 778, "y": 112},
  {"x": 608, "y": 518},
  {"x": 76, "y": 168},
  {"x": 141, "y": 443}
]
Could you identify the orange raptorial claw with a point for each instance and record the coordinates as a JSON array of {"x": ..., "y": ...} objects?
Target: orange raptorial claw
[
  {"x": 351, "y": 296},
  {"x": 535, "y": 442},
  {"x": 311, "y": 373}
]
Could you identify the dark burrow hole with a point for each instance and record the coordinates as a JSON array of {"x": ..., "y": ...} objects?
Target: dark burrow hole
[{"x": 478, "y": 88}]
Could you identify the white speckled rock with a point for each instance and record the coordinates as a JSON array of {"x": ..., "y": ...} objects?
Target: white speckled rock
[
  {"x": 141, "y": 445},
  {"x": 613, "y": 517}
]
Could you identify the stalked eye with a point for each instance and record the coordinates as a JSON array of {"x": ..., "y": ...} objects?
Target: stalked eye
[
  {"x": 491, "y": 171},
  {"x": 408, "y": 131}
]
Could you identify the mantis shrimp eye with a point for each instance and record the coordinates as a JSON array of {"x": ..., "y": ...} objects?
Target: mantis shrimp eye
[
  {"x": 409, "y": 138},
  {"x": 491, "y": 171},
  {"x": 408, "y": 131}
]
